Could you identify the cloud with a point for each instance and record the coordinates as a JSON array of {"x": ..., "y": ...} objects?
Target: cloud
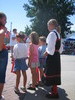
[{"x": 73, "y": 27}]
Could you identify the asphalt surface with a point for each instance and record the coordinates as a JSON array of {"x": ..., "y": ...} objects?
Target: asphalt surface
[{"x": 66, "y": 89}]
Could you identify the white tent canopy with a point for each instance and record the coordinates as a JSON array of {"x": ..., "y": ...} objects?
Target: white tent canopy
[{"x": 71, "y": 37}]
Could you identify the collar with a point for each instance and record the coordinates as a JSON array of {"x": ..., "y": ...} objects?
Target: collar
[{"x": 54, "y": 30}]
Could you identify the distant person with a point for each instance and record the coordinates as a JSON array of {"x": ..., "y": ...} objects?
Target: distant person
[
  {"x": 42, "y": 58},
  {"x": 3, "y": 53},
  {"x": 20, "y": 56},
  {"x": 13, "y": 40},
  {"x": 33, "y": 58},
  {"x": 52, "y": 72}
]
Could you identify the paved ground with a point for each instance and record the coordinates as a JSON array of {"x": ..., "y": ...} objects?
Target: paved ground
[{"x": 66, "y": 90}]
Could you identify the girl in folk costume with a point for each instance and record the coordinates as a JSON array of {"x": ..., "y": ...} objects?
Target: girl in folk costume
[
  {"x": 3, "y": 53},
  {"x": 52, "y": 73}
]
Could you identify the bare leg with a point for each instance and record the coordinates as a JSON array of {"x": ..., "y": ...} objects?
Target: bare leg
[
  {"x": 37, "y": 75},
  {"x": 1, "y": 88},
  {"x": 41, "y": 73},
  {"x": 24, "y": 78},
  {"x": 34, "y": 77},
  {"x": 18, "y": 75}
]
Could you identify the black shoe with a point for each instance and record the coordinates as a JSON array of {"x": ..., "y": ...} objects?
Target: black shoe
[
  {"x": 35, "y": 85},
  {"x": 54, "y": 96},
  {"x": 31, "y": 88}
]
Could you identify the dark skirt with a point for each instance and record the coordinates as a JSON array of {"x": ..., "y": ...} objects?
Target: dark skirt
[{"x": 52, "y": 72}]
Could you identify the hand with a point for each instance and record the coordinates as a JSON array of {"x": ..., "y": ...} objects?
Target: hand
[
  {"x": 3, "y": 30},
  {"x": 45, "y": 53},
  {"x": 12, "y": 60}
]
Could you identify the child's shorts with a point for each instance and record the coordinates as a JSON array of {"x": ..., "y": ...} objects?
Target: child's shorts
[
  {"x": 3, "y": 65},
  {"x": 42, "y": 62},
  {"x": 34, "y": 64},
  {"x": 20, "y": 64}
]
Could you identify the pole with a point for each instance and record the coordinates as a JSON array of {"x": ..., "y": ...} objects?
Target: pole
[{"x": 10, "y": 27}]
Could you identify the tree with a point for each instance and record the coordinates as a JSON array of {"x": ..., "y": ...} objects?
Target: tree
[
  {"x": 40, "y": 11},
  {"x": 22, "y": 32},
  {"x": 27, "y": 30}
]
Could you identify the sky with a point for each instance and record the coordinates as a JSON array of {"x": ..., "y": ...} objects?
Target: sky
[{"x": 17, "y": 15}]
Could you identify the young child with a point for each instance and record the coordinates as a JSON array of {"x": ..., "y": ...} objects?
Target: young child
[
  {"x": 3, "y": 53},
  {"x": 42, "y": 58},
  {"x": 52, "y": 74},
  {"x": 20, "y": 56},
  {"x": 33, "y": 58}
]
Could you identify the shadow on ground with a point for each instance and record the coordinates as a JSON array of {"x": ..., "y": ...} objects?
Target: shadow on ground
[
  {"x": 39, "y": 94},
  {"x": 21, "y": 96}
]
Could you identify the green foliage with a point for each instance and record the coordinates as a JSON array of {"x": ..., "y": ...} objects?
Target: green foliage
[
  {"x": 72, "y": 31},
  {"x": 40, "y": 11},
  {"x": 27, "y": 30},
  {"x": 22, "y": 32}
]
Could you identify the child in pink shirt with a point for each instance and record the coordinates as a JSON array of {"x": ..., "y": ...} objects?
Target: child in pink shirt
[{"x": 33, "y": 58}]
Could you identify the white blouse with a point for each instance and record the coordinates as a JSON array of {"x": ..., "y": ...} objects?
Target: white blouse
[
  {"x": 20, "y": 51},
  {"x": 51, "y": 42}
]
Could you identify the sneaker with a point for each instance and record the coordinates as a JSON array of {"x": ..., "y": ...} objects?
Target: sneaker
[
  {"x": 35, "y": 85},
  {"x": 2, "y": 97},
  {"x": 23, "y": 89},
  {"x": 31, "y": 88},
  {"x": 17, "y": 91}
]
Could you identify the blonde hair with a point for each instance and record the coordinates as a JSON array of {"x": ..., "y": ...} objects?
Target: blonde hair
[
  {"x": 59, "y": 29},
  {"x": 52, "y": 21},
  {"x": 42, "y": 38},
  {"x": 34, "y": 38}
]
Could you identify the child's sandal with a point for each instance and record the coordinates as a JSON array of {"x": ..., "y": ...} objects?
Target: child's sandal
[
  {"x": 23, "y": 89},
  {"x": 17, "y": 91}
]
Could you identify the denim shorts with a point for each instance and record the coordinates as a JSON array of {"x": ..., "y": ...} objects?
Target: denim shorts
[
  {"x": 42, "y": 62},
  {"x": 20, "y": 64},
  {"x": 3, "y": 64}
]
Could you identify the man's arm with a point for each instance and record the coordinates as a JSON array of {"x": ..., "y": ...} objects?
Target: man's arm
[
  {"x": 3, "y": 30},
  {"x": 2, "y": 35}
]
